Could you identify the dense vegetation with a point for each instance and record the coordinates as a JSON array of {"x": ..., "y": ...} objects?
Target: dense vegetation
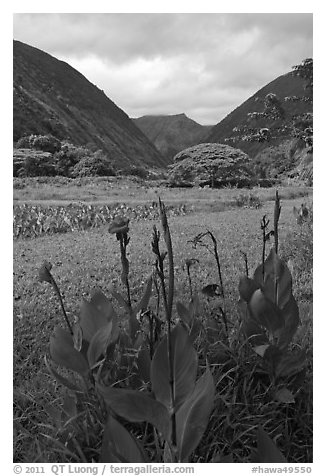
[
  {"x": 215, "y": 165},
  {"x": 247, "y": 409}
]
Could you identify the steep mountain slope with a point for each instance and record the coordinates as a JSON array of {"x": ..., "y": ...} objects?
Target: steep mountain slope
[
  {"x": 283, "y": 86},
  {"x": 52, "y": 97},
  {"x": 173, "y": 133}
]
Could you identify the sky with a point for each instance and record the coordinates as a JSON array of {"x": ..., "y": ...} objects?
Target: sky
[{"x": 200, "y": 64}]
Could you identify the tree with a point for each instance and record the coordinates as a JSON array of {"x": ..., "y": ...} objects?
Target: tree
[{"x": 274, "y": 121}]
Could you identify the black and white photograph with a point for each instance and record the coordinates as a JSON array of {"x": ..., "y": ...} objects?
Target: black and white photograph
[{"x": 162, "y": 242}]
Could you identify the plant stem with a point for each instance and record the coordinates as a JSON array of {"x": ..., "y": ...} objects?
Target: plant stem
[
  {"x": 277, "y": 212},
  {"x": 217, "y": 259},
  {"x": 168, "y": 307},
  {"x": 124, "y": 263},
  {"x": 264, "y": 224},
  {"x": 245, "y": 257},
  {"x": 57, "y": 291},
  {"x": 189, "y": 280}
]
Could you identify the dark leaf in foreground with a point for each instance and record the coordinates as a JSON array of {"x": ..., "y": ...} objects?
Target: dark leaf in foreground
[
  {"x": 184, "y": 313},
  {"x": 63, "y": 352},
  {"x": 60, "y": 379},
  {"x": 192, "y": 417},
  {"x": 137, "y": 406},
  {"x": 264, "y": 312},
  {"x": 99, "y": 343},
  {"x": 143, "y": 303},
  {"x": 290, "y": 364},
  {"x": 96, "y": 314},
  {"x": 284, "y": 395},
  {"x": 267, "y": 451},
  {"x": 247, "y": 287},
  {"x": 119, "y": 446},
  {"x": 184, "y": 358}
]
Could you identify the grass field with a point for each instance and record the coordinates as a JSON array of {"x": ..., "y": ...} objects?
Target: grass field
[{"x": 85, "y": 260}]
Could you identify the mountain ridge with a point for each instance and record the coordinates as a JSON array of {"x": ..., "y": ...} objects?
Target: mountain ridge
[{"x": 51, "y": 97}]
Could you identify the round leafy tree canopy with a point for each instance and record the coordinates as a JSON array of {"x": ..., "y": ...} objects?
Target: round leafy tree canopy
[{"x": 210, "y": 164}]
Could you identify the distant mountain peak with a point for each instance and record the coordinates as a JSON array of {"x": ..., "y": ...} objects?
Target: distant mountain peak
[{"x": 172, "y": 133}]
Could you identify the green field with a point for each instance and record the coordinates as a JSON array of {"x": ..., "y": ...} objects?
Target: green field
[{"x": 85, "y": 260}]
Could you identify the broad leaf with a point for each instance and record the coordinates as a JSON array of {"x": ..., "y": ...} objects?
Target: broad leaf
[
  {"x": 192, "y": 418},
  {"x": 250, "y": 328},
  {"x": 261, "y": 349},
  {"x": 60, "y": 379},
  {"x": 184, "y": 313},
  {"x": 134, "y": 326},
  {"x": 290, "y": 364},
  {"x": 194, "y": 305},
  {"x": 99, "y": 343},
  {"x": 247, "y": 287},
  {"x": 77, "y": 336},
  {"x": 95, "y": 314},
  {"x": 284, "y": 395},
  {"x": 63, "y": 352},
  {"x": 184, "y": 362},
  {"x": 121, "y": 300},
  {"x": 144, "y": 365},
  {"x": 69, "y": 405},
  {"x": 264, "y": 312},
  {"x": 137, "y": 406},
  {"x": 119, "y": 446},
  {"x": 266, "y": 452},
  {"x": 290, "y": 314},
  {"x": 274, "y": 267},
  {"x": 143, "y": 304},
  {"x": 196, "y": 327}
]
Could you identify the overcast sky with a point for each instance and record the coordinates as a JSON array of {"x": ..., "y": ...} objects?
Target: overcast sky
[{"x": 202, "y": 64}]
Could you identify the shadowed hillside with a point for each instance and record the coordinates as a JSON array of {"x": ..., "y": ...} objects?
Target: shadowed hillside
[{"x": 52, "y": 97}]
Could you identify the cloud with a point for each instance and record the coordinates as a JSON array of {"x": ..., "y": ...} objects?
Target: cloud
[{"x": 201, "y": 64}]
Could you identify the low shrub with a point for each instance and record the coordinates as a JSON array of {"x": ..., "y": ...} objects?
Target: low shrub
[
  {"x": 68, "y": 156},
  {"x": 46, "y": 143},
  {"x": 136, "y": 171},
  {"x": 297, "y": 250},
  {"x": 32, "y": 163},
  {"x": 97, "y": 164},
  {"x": 248, "y": 200}
]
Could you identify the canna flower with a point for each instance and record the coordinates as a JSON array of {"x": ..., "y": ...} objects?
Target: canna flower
[
  {"x": 119, "y": 226},
  {"x": 44, "y": 272}
]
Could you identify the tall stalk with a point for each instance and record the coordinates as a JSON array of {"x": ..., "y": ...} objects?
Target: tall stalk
[
  {"x": 264, "y": 225},
  {"x": 277, "y": 213},
  {"x": 199, "y": 240},
  {"x": 124, "y": 240},
  {"x": 168, "y": 304}
]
